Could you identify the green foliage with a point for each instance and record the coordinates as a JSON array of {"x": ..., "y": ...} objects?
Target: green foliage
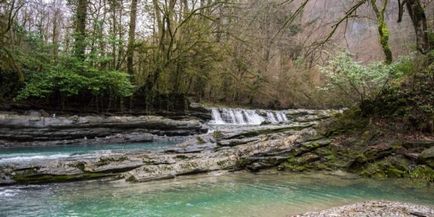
[
  {"x": 409, "y": 100},
  {"x": 361, "y": 82},
  {"x": 76, "y": 78},
  {"x": 423, "y": 172}
]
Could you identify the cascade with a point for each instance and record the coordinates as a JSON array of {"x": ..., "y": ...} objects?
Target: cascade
[{"x": 236, "y": 116}]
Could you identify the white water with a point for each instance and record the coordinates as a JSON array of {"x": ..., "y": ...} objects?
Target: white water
[
  {"x": 229, "y": 116},
  {"x": 34, "y": 157},
  {"x": 217, "y": 117}
]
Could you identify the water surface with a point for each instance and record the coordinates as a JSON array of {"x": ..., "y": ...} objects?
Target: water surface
[
  {"x": 208, "y": 196},
  {"x": 55, "y": 152}
]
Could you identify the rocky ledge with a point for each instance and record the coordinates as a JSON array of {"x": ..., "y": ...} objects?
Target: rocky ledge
[
  {"x": 35, "y": 129},
  {"x": 230, "y": 150},
  {"x": 375, "y": 209}
]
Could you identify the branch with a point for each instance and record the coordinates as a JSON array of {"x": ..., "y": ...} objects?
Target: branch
[{"x": 348, "y": 14}]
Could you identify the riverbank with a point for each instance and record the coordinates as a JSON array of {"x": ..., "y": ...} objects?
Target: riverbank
[{"x": 375, "y": 208}]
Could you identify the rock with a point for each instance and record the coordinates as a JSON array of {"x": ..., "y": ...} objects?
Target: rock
[
  {"x": 198, "y": 110},
  {"x": 235, "y": 142},
  {"x": 255, "y": 164},
  {"x": 308, "y": 158},
  {"x": 185, "y": 159},
  {"x": 375, "y": 208},
  {"x": 427, "y": 154},
  {"x": 427, "y": 157},
  {"x": 38, "y": 130},
  {"x": 372, "y": 153}
]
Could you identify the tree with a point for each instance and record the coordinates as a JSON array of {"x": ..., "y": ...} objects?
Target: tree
[
  {"x": 80, "y": 29},
  {"x": 418, "y": 17},
  {"x": 131, "y": 37},
  {"x": 383, "y": 30}
]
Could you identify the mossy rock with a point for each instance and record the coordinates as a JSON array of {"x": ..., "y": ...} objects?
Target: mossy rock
[
  {"x": 307, "y": 158},
  {"x": 217, "y": 135},
  {"x": 132, "y": 179},
  {"x": 350, "y": 120},
  {"x": 292, "y": 167},
  {"x": 199, "y": 140},
  {"x": 79, "y": 165},
  {"x": 107, "y": 160},
  {"x": 423, "y": 173},
  {"x": 427, "y": 157},
  {"x": 392, "y": 167},
  {"x": 311, "y": 146}
]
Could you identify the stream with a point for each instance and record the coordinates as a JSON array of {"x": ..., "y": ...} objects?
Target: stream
[{"x": 212, "y": 195}]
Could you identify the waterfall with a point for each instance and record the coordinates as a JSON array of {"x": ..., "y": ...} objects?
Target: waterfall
[
  {"x": 253, "y": 118},
  {"x": 271, "y": 118},
  {"x": 217, "y": 118},
  {"x": 281, "y": 117},
  {"x": 222, "y": 116}
]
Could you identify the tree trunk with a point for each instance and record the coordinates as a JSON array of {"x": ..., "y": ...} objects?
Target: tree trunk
[
  {"x": 80, "y": 29},
  {"x": 418, "y": 17},
  {"x": 383, "y": 30},
  {"x": 131, "y": 37}
]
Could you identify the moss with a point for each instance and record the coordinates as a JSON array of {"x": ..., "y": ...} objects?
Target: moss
[
  {"x": 107, "y": 160},
  {"x": 374, "y": 170},
  {"x": 311, "y": 146},
  {"x": 132, "y": 179},
  {"x": 200, "y": 140},
  {"x": 292, "y": 167},
  {"x": 423, "y": 172},
  {"x": 391, "y": 167},
  {"x": 269, "y": 131},
  {"x": 217, "y": 134},
  {"x": 349, "y": 121},
  {"x": 242, "y": 163},
  {"x": 79, "y": 165},
  {"x": 223, "y": 164}
]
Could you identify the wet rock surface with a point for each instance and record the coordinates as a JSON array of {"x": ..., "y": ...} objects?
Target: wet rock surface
[
  {"x": 37, "y": 130},
  {"x": 295, "y": 147},
  {"x": 255, "y": 148},
  {"x": 375, "y": 209}
]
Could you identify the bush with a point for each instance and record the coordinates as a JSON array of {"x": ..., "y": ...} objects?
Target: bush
[
  {"x": 75, "y": 81},
  {"x": 358, "y": 82}
]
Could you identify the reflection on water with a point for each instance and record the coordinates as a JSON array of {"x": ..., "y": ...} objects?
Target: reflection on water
[{"x": 239, "y": 194}]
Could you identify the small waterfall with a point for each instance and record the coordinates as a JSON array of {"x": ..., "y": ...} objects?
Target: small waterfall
[
  {"x": 222, "y": 116},
  {"x": 217, "y": 118},
  {"x": 239, "y": 117},
  {"x": 253, "y": 118},
  {"x": 281, "y": 117},
  {"x": 271, "y": 118}
]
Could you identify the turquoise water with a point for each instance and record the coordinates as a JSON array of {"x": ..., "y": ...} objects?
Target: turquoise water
[
  {"x": 30, "y": 153},
  {"x": 208, "y": 196}
]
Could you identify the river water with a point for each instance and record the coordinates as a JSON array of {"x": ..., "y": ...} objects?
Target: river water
[
  {"x": 233, "y": 194},
  {"x": 55, "y": 152}
]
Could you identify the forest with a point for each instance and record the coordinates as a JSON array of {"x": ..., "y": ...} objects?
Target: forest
[
  {"x": 142, "y": 55},
  {"x": 217, "y": 108}
]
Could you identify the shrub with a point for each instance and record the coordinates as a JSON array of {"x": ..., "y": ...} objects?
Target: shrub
[
  {"x": 75, "y": 81},
  {"x": 360, "y": 82}
]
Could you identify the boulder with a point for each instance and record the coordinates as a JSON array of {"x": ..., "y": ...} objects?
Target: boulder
[{"x": 427, "y": 157}]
